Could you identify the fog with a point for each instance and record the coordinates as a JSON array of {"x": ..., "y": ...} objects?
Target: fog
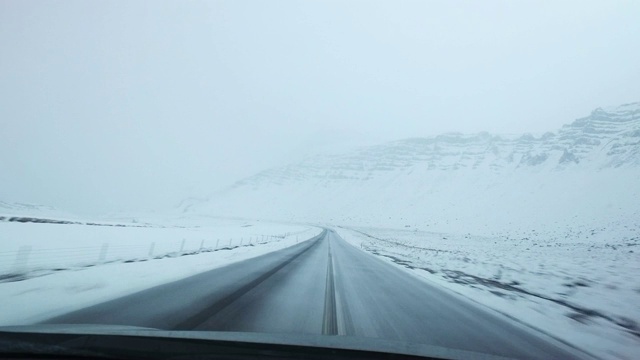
[{"x": 120, "y": 105}]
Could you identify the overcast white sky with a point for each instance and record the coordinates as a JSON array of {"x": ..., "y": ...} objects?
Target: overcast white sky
[{"x": 117, "y": 105}]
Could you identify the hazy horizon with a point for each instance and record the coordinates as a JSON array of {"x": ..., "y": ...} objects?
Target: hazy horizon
[{"x": 110, "y": 106}]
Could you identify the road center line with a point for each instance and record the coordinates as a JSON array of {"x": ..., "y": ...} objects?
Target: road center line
[{"x": 330, "y": 320}]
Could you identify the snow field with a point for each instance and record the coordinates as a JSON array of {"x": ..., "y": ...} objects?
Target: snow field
[
  {"x": 583, "y": 291},
  {"x": 27, "y": 249}
]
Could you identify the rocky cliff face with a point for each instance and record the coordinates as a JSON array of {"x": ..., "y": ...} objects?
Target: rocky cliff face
[
  {"x": 606, "y": 138},
  {"x": 609, "y": 137},
  {"x": 415, "y": 176}
]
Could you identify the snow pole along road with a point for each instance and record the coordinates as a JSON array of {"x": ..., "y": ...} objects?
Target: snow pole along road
[{"x": 322, "y": 286}]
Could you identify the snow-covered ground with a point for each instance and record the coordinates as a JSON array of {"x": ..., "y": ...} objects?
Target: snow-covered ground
[
  {"x": 30, "y": 249},
  {"x": 580, "y": 285},
  {"x": 49, "y": 269}
]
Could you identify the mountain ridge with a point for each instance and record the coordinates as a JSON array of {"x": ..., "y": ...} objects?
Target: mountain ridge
[
  {"x": 572, "y": 144},
  {"x": 412, "y": 177}
]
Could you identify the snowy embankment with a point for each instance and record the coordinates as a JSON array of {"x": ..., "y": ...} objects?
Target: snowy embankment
[
  {"x": 48, "y": 269},
  {"x": 578, "y": 285}
]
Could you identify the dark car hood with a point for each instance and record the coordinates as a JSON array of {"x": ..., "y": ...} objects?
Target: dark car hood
[{"x": 64, "y": 335}]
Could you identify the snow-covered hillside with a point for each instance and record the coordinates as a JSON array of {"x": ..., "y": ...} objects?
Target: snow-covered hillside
[
  {"x": 543, "y": 228},
  {"x": 587, "y": 171},
  {"x": 22, "y": 209}
]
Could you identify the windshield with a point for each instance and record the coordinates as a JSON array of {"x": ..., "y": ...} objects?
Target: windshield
[{"x": 447, "y": 179}]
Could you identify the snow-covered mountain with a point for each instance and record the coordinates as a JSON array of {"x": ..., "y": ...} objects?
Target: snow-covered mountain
[{"x": 588, "y": 170}]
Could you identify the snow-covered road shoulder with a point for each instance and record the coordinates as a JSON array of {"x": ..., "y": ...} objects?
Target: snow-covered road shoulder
[{"x": 583, "y": 292}]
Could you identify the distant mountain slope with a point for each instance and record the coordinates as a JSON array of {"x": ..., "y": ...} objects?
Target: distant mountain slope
[
  {"x": 20, "y": 209},
  {"x": 585, "y": 168}
]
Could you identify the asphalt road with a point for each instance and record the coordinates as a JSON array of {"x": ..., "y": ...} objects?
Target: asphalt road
[{"x": 322, "y": 286}]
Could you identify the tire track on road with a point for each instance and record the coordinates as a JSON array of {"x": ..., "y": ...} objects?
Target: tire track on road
[
  {"x": 202, "y": 316},
  {"x": 330, "y": 320}
]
